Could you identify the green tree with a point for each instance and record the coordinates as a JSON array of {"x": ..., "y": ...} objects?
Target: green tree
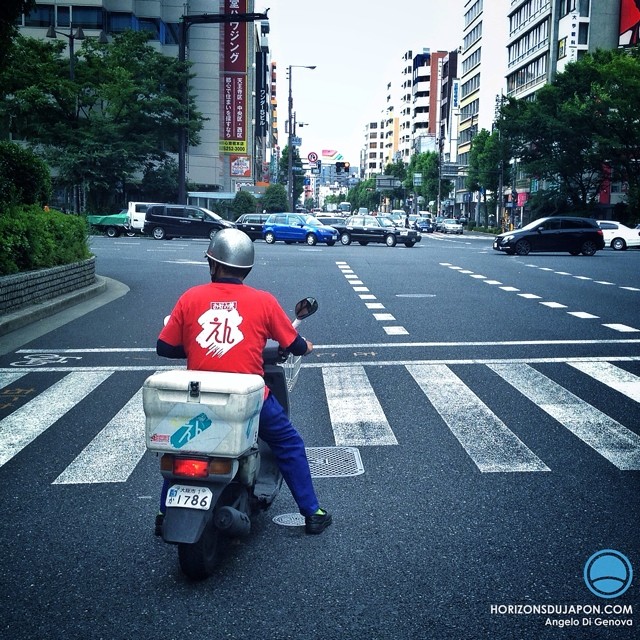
[
  {"x": 581, "y": 126},
  {"x": 121, "y": 113},
  {"x": 24, "y": 177},
  {"x": 487, "y": 157},
  {"x": 160, "y": 182},
  {"x": 10, "y": 12},
  {"x": 427, "y": 165},
  {"x": 243, "y": 202},
  {"x": 275, "y": 198},
  {"x": 364, "y": 194}
]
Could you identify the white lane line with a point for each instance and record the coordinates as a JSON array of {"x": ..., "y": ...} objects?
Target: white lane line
[
  {"x": 478, "y": 276},
  {"x": 582, "y": 278},
  {"x": 366, "y": 296},
  {"x": 114, "y": 453},
  {"x": 630, "y": 288},
  {"x": 623, "y": 381},
  {"x": 603, "y": 282},
  {"x": 351, "y": 276},
  {"x": 396, "y": 331},
  {"x": 554, "y": 305},
  {"x": 29, "y": 421},
  {"x": 383, "y": 316},
  {"x": 356, "y": 282},
  {"x": 374, "y": 305},
  {"x": 562, "y": 273},
  {"x": 582, "y": 314},
  {"x": 356, "y": 415},
  {"x": 530, "y": 296},
  {"x": 605, "y": 435},
  {"x": 360, "y": 289},
  {"x": 492, "y": 282},
  {"x": 487, "y": 440},
  {"x": 509, "y": 289},
  {"x": 623, "y": 328},
  {"x": 466, "y": 271}
]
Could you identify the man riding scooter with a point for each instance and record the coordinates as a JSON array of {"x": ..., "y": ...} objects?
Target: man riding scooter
[{"x": 224, "y": 326}]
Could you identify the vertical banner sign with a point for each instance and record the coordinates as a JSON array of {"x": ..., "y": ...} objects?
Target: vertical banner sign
[
  {"x": 629, "y": 23},
  {"x": 261, "y": 94},
  {"x": 234, "y": 81}
]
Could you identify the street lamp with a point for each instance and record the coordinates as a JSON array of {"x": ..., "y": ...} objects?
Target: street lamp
[
  {"x": 292, "y": 133},
  {"x": 78, "y": 35}
]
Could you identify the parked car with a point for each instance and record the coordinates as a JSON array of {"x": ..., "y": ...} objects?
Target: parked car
[
  {"x": 618, "y": 236},
  {"x": 558, "y": 233},
  {"x": 438, "y": 223},
  {"x": 113, "y": 225},
  {"x": 297, "y": 227},
  {"x": 451, "y": 225},
  {"x": 398, "y": 216},
  {"x": 136, "y": 214},
  {"x": 366, "y": 229},
  {"x": 165, "y": 221},
  {"x": 251, "y": 224}
]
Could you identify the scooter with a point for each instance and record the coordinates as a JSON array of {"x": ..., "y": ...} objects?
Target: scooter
[{"x": 205, "y": 427}]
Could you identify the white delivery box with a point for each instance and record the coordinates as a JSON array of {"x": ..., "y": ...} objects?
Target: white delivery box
[{"x": 203, "y": 412}]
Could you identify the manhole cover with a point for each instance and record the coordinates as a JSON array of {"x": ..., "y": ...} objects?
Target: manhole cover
[
  {"x": 289, "y": 520},
  {"x": 334, "y": 462}
]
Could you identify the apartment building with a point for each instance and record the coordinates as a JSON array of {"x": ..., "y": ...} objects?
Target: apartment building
[{"x": 237, "y": 136}]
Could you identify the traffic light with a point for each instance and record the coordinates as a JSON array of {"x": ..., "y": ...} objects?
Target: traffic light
[
  {"x": 339, "y": 167},
  {"x": 346, "y": 166}
]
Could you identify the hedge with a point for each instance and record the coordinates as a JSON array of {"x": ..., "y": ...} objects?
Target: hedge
[{"x": 31, "y": 238}]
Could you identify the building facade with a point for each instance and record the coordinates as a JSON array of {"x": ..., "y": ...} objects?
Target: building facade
[{"x": 233, "y": 85}]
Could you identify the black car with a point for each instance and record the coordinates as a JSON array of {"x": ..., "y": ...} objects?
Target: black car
[
  {"x": 366, "y": 229},
  {"x": 165, "y": 221},
  {"x": 251, "y": 224},
  {"x": 558, "y": 233}
]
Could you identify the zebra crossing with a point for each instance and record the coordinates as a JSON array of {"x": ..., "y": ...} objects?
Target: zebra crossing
[{"x": 357, "y": 415}]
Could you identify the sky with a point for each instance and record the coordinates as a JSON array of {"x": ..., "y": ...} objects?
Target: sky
[{"x": 356, "y": 45}]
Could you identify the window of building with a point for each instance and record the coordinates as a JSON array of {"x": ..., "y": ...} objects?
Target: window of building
[
  {"x": 151, "y": 25},
  {"x": 63, "y": 16},
  {"x": 583, "y": 33},
  {"x": 585, "y": 8},
  {"x": 41, "y": 16},
  {"x": 87, "y": 17},
  {"x": 562, "y": 48},
  {"x": 119, "y": 22},
  {"x": 473, "y": 13}
]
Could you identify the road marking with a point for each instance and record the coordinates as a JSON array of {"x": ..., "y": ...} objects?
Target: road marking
[
  {"x": 509, "y": 289},
  {"x": 630, "y": 288},
  {"x": 29, "y": 421},
  {"x": 356, "y": 415},
  {"x": 374, "y": 305},
  {"x": 554, "y": 305},
  {"x": 114, "y": 453},
  {"x": 605, "y": 435},
  {"x": 383, "y": 316},
  {"x": 396, "y": 331},
  {"x": 623, "y": 328},
  {"x": 623, "y": 381},
  {"x": 490, "y": 444},
  {"x": 530, "y": 296},
  {"x": 582, "y": 314},
  {"x": 9, "y": 377}
]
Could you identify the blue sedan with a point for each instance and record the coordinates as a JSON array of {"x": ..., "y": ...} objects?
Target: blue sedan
[{"x": 297, "y": 227}]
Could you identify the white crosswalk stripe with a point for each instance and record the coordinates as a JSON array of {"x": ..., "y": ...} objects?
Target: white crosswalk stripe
[
  {"x": 29, "y": 421},
  {"x": 487, "y": 440},
  {"x": 605, "y": 435},
  {"x": 114, "y": 453},
  {"x": 357, "y": 417}
]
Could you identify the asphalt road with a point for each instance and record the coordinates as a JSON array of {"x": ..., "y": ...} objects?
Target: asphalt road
[{"x": 492, "y": 401}]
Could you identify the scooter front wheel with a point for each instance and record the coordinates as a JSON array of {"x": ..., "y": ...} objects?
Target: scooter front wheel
[{"x": 199, "y": 559}]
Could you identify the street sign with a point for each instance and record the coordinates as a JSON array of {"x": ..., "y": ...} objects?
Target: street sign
[
  {"x": 296, "y": 141},
  {"x": 312, "y": 157}
]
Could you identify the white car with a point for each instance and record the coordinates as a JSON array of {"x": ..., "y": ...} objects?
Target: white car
[
  {"x": 451, "y": 225},
  {"x": 618, "y": 236}
]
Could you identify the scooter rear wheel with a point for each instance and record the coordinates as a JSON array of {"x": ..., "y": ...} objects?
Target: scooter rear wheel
[{"x": 199, "y": 560}]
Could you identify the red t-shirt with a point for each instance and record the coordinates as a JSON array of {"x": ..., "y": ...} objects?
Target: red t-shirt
[{"x": 224, "y": 327}]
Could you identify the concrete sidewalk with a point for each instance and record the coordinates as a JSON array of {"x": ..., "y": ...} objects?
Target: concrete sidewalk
[{"x": 35, "y": 320}]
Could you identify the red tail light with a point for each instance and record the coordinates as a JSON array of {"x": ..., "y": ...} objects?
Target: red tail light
[{"x": 191, "y": 468}]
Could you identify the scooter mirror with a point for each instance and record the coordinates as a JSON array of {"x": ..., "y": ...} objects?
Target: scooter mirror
[{"x": 306, "y": 307}]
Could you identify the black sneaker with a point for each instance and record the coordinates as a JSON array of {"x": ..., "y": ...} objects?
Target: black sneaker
[
  {"x": 159, "y": 520},
  {"x": 318, "y": 522}
]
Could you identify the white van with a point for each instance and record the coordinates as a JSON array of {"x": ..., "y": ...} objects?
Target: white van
[{"x": 136, "y": 213}]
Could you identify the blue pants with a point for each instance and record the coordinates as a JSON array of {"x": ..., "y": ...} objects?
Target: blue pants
[{"x": 288, "y": 448}]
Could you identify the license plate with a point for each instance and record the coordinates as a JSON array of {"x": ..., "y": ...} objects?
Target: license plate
[{"x": 180, "y": 495}]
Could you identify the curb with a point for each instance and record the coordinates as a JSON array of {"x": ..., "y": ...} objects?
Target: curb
[{"x": 28, "y": 315}]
